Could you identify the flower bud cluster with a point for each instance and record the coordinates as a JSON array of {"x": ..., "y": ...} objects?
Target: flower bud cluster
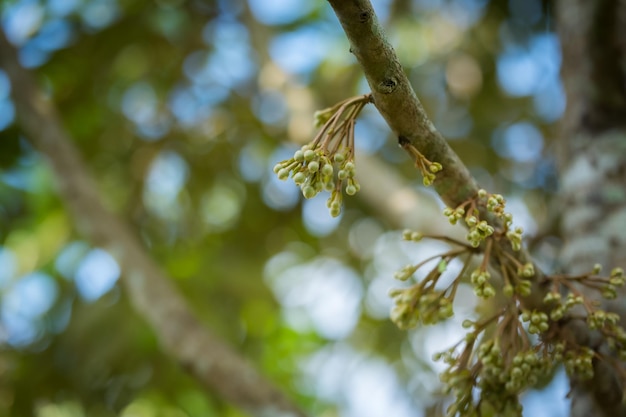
[
  {"x": 527, "y": 270},
  {"x": 607, "y": 286},
  {"x": 416, "y": 304},
  {"x": 597, "y": 319},
  {"x": 560, "y": 307},
  {"x": 515, "y": 238},
  {"x": 538, "y": 321},
  {"x": 454, "y": 215},
  {"x": 428, "y": 174},
  {"x": 478, "y": 231},
  {"x": 426, "y": 167},
  {"x": 499, "y": 377},
  {"x": 459, "y": 382},
  {"x": 523, "y": 287},
  {"x": 579, "y": 362},
  {"x": 616, "y": 340},
  {"x": 505, "y": 379},
  {"x": 411, "y": 235},
  {"x": 495, "y": 202},
  {"x": 616, "y": 280},
  {"x": 405, "y": 273},
  {"x": 482, "y": 287},
  {"x": 316, "y": 169}
]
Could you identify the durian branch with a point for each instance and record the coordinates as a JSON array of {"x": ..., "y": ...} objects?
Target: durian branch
[{"x": 397, "y": 102}]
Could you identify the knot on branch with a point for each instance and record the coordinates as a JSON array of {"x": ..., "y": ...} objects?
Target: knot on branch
[
  {"x": 364, "y": 16},
  {"x": 388, "y": 85}
]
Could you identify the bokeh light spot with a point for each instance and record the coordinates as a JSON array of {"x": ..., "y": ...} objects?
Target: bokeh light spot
[{"x": 96, "y": 275}]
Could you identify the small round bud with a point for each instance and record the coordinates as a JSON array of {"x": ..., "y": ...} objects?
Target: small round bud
[
  {"x": 283, "y": 174},
  {"x": 299, "y": 178},
  {"x": 313, "y": 166},
  {"x": 309, "y": 155},
  {"x": 327, "y": 170},
  {"x": 350, "y": 189},
  {"x": 308, "y": 191},
  {"x": 299, "y": 155},
  {"x": 508, "y": 290},
  {"x": 339, "y": 158}
]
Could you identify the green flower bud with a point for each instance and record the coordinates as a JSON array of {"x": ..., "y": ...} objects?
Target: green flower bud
[
  {"x": 283, "y": 174},
  {"x": 299, "y": 178},
  {"x": 308, "y": 191},
  {"x": 327, "y": 170}
]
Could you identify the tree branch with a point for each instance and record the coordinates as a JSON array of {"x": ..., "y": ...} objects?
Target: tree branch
[
  {"x": 213, "y": 363},
  {"x": 396, "y": 101},
  {"x": 593, "y": 166}
]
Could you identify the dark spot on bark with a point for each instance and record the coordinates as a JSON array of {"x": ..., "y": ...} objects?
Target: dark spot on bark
[
  {"x": 402, "y": 141},
  {"x": 388, "y": 85},
  {"x": 364, "y": 16}
]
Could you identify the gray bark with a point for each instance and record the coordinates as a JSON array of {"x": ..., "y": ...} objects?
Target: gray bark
[{"x": 593, "y": 167}]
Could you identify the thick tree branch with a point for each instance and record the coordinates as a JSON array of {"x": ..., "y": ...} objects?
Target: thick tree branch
[
  {"x": 593, "y": 165},
  {"x": 397, "y": 102},
  {"x": 214, "y": 364},
  {"x": 395, "y": 99}
]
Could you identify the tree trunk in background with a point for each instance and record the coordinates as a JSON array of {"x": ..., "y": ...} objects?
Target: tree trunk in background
[{"x": 593, "y": 165}]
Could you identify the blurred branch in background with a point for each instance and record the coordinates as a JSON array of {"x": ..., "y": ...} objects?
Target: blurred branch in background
[{"x": 216, "y": 365}]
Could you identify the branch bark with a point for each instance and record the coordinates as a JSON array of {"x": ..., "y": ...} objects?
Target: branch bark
[
  {"x": 211, "y": 361},
  {"x": 397, "y": 102}
]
